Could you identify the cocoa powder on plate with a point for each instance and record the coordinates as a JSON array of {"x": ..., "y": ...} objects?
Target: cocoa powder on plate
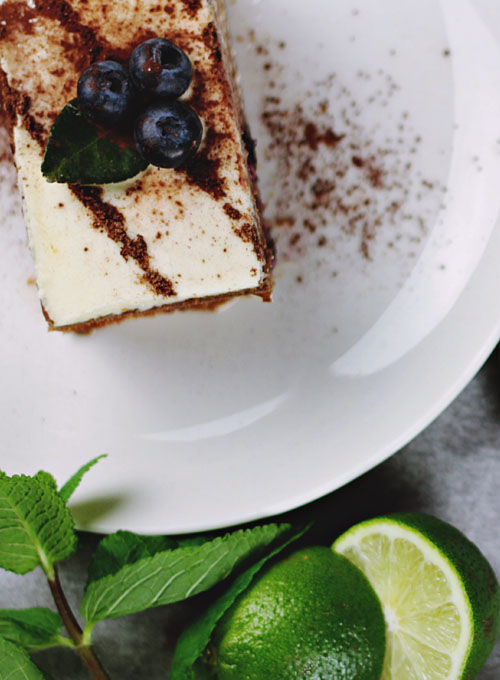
[{"x": 329, "y": 170}]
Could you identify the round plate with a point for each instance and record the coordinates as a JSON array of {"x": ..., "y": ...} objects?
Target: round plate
[{"x": 378, "y": 128}]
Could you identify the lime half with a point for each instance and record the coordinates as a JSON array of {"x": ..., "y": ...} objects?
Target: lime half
[{"x": 439, "y": 594}]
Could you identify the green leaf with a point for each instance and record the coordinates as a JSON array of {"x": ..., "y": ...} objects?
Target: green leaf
[
  {"x": 122, "y": 548},
  {"x": 185, "y": 541},
  {"x": 16, "y": 664},
  {"x": 195, "y": 638},
  {"x": 36, "y": 528},
  {"x": 174, "y": 575},
  {"x": 34, "y": 629},
  {"x": 71, "y": 485},
  {"x": 125, "y": 547},
  {"x": 46, "y": 478},
  {"x": 81, "y": 152}
]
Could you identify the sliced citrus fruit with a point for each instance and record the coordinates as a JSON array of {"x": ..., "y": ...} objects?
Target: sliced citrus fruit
[{"x": 439, "y": 594}]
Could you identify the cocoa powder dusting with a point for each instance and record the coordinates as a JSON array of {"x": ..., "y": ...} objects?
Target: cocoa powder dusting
[
  {"x": 246, "y": 232},
  {"x": 13, "y": 104},
  {"x": 329, "y": 178},
  {"x": 108, "y": 219},
  {"x": 232, "y": 212},
  {"x": 61, "y": 11},
  {"x": 192, "y": 6},
  {"x": 8, "y": 177},
  {"x": 203, "y": 171}
]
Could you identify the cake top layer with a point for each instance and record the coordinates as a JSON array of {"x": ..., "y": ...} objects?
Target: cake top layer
[{"x": 47, "y": 44}]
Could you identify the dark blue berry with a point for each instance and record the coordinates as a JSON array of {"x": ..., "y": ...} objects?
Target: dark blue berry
[
  {"x": 168, "y": 134},
  {"x": 105, "y": 92},
  {"x": 160, "y": 67}
]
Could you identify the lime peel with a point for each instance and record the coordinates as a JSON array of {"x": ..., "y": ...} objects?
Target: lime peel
[{"x": 310, "y": 615}]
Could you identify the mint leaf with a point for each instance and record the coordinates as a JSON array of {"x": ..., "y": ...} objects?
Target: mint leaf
[
  {"x": 122, "y": 548},
  {"x": 125, "y": 547},
  {"x": 36, "y": 528},
  {"x": 71, "y": 485},
  {"x": 185, "y": 541},
  {"x": 81, "y": 152},
  {"x": 46, "y": 478},
  {"x": 33, "y": 629},
  {"x": 16, "y": 664},
  {"x": 173, "y": 575},
  {"x": 195, "y": 638}
]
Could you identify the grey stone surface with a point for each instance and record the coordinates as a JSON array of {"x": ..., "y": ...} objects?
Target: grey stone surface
[{"x": 451, "y": 470}]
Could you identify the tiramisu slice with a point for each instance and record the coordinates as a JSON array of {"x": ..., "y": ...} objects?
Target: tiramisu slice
[{"x": 166, "y": 238}]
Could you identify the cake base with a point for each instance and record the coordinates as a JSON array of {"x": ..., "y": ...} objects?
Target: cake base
[{"x": 208, "y": 304}]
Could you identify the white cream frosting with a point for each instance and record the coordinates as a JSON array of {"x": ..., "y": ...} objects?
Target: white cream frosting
[{"x": 80, "y": 272}]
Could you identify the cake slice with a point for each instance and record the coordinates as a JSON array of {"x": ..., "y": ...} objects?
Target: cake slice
[{"x": 166, "y": 238}]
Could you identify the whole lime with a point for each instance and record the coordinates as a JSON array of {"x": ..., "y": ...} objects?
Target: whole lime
[{"x": 312, "y": 615}]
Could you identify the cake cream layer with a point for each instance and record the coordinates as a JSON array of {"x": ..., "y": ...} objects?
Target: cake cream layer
[{"x": 157, "y": 240}]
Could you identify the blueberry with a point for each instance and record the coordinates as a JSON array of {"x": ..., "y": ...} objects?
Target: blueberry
[
  {"x": 161, "y": 67},
  {"x": 168, "y": 134},
  {"x": 105, "y": 92}
]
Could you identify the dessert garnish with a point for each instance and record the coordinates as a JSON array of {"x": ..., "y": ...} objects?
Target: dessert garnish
[
  {"x": 80, "y": 151},
  {"x": 167, "y": 134},
  {"x": 160, "y": 67},
  {"x": 106, "y": 93},
  {"x": 124, "y": 119}
]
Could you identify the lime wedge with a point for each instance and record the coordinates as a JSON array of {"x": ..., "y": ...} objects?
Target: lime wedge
[{"x": 439, "y": 594}]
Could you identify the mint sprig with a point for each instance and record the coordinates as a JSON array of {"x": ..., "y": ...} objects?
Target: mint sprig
[
  {"x": 127, "y": 574},
  {"x": 37, "y": 530},
  {"x": 82, "y": 152},
  {"x": 173, "y": 575}
]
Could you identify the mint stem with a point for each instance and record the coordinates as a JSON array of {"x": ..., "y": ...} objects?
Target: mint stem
[
  {"x": 75, "y": 632},
  {"x": 72, "y": 625}
]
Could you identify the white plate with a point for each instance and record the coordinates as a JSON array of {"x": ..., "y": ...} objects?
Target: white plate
[{"x": 215, "y": 419}]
